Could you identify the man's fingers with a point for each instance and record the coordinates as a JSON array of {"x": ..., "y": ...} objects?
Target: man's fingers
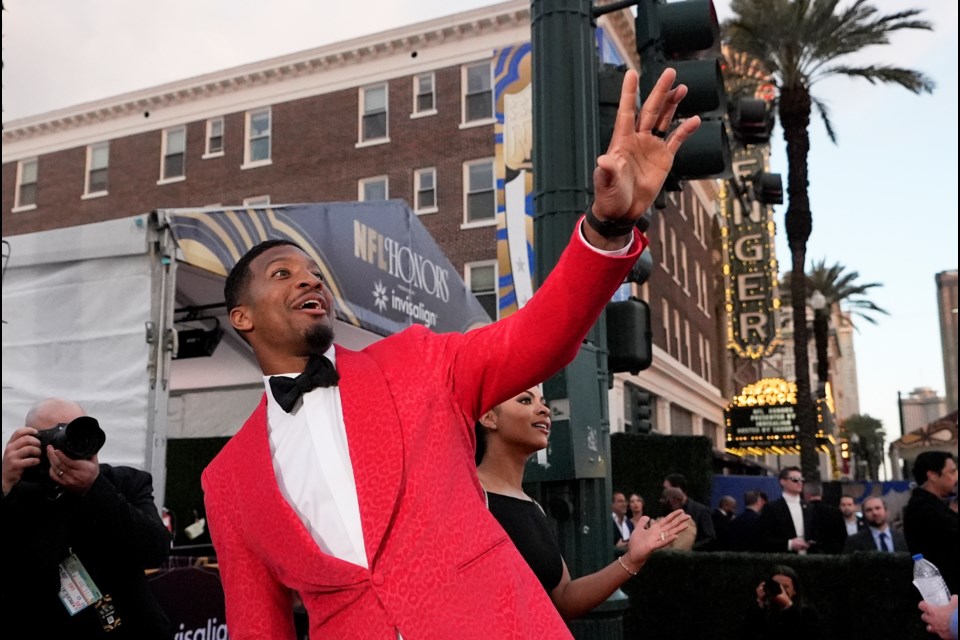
[
  {"x": 658, "y": 102},
  {"x": 679, "y": 135}
]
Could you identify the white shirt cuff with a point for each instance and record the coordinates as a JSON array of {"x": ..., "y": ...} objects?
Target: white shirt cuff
[{"x": 616, "y": 252}]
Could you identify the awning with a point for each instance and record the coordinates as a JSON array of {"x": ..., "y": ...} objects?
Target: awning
[
  {"x": 385, "y": 270},
  {"x": 938, "y": 434}
]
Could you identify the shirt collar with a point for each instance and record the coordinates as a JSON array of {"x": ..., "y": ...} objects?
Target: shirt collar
[{"x": 331, "y": 354}]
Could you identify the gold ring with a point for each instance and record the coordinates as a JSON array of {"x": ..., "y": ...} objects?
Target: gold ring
[
  {"x": 60, "y": 474},
  {"x": 662, "y": 537}
]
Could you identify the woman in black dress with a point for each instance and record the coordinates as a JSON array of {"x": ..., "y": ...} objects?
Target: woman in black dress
[{"x": 507, "y": 435}]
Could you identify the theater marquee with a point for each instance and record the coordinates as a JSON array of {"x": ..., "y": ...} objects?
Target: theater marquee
[{"x": 749, "y": 267}]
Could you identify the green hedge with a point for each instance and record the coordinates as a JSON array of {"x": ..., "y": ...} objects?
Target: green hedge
[
  {"x": 706, "y": 595},
  {"x": 640, "y": 462}
]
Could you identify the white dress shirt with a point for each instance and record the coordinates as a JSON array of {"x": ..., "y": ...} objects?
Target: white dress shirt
[
  {"x": 796, "y": 514},
  {"x": 311, "y": 460}
]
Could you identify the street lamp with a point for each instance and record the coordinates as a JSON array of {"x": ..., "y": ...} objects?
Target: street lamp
[{"x": 821, "y": 321}]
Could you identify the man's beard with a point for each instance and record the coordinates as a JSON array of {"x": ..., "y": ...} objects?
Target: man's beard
[{"x": 319, "y": 338}]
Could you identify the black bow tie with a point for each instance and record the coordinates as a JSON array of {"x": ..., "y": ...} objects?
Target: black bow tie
[{"x": 320, "y": 372}]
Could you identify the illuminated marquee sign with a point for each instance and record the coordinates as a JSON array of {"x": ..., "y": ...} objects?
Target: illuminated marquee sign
[
  {"x": 763, "y": 419},
  {"x": 749, "y": 266}
]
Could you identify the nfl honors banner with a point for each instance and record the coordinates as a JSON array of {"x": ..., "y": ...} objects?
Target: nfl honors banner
[{"x": 384, "y": 269}]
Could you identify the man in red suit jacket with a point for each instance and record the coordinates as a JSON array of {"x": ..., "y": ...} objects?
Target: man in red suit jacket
[{"x": 341, "y": 496}]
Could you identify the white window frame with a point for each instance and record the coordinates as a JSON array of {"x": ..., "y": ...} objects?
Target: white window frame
[
  {"x": 706, "y": 292},
  {"x": 662, "y": 240},
  {"x": 464, "y": 93},
  {"x": 417, "y": 175},
  {"x": 687, "y": 346},
  {"x": 257, "y": 201},
  {"x": 363, "y": 182},
  {"x": 362, "y": 112},
  {"x": 468, "y": 269},
  {"x": 18, "y": 205},
  {"x": 467, "y": 192},
  {"x": 677, "y": 337},
  {"x": 164, "y": 148},
  {"x": 416, "y": 112},
  {"x": 706, "y": 353},
  {"x": 684, "y": 269},
  {"x": 91, "y": 149},
  {"x": 674, "y": 256},
  {"x": 207, "y": 151},
  {"x": 682, "y": 203},
  {"x": 702, "y": 350},
  {"x": 248, "y": 138},
  {"x": 665, "y": 307},
  {"x": 697, "y": 282}
]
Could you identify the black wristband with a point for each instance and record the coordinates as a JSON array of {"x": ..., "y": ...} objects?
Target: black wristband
[{"x": 609, "y": 228}]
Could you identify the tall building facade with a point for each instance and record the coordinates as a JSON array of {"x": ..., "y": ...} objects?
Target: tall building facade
[
  {"x": 947, "y": 308},
  {"x": 409, "y": 114},
  {"x": 921, "y": 407}
]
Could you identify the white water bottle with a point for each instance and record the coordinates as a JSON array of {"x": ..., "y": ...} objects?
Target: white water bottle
[{"x": 929, "y": 582}]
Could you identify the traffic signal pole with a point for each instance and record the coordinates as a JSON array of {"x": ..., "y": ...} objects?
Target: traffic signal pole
[{"x": 574, "y": 485}]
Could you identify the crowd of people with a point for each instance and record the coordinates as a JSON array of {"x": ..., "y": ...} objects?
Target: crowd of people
[{"x": 335, "y": 494}]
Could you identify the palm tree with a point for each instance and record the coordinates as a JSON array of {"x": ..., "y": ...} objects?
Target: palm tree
[
  {"x": 801, "y": 42},
  {"x": 837, "y": 287}
]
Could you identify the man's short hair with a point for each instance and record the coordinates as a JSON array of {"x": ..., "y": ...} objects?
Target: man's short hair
[
  {"x": 929, "y": 461},
  {"x": 677, "y": 480},
  {"x": 882, "y": 501},
  {"x": 786, "y": 471},
  {"x": 753, "y": 496},
  {"x": 239, "y": 278},
  {"x": 813, "y": 488}
]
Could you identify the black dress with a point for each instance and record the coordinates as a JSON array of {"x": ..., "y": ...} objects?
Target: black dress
[{"x": 530, "y": 531}]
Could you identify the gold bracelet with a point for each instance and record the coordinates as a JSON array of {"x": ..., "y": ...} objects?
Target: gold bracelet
[{"x": 625, "y": 568}]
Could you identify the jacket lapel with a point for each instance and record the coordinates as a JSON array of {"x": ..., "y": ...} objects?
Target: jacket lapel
[
  {"x": 275, "y": 526},
  {"x": 375, "y": 440}
]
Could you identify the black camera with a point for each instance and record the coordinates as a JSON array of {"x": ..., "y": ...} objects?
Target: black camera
[
  {"x": 81, "y": 439},
  {"x": 772, "y": 588}
]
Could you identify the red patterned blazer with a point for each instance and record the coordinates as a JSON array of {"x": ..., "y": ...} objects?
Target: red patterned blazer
[{"x": 409, "y": 405}]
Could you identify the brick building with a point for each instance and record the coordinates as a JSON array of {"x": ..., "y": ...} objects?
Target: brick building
[{"x": 405, "y": 114}]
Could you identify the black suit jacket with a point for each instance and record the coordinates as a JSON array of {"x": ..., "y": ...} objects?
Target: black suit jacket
[
  {"x": 115, "y": 532},
  {"x": 744, "y": 532},
  {"x": 703, "y": 518},
  {"x": 863, "y": 541},
  {"x": 931, "y": 529},
  {"x": 776, "y": 525},
  {"x": 829, "y": 529}
]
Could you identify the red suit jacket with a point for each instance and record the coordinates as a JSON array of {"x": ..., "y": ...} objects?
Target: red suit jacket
[{"x": 409, "y": 404}]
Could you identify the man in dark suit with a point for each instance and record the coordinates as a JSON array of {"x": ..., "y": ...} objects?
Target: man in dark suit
[
  {"x": 829, "y": 532},
  {"x": 877, "y": 535},
  {"x": 745, "y": 528},
  {"x": 852, "y": 521},
  {"x": 785, "y": 523},
  {"x": 95, "y": 515},
  {"x": 929, "y": 525},
  {"x": 722, "y": 519}
]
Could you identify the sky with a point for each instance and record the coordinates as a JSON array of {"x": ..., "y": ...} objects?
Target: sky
[{"x": 884, "y": 199}]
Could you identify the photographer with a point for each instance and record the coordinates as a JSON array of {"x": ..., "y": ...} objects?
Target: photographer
[
  {"x": 80, "y": 527},
  {"x": 780, "y": 613}
]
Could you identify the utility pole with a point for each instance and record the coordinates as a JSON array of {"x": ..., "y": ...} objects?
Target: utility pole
[{"x": 573, "y": 481}]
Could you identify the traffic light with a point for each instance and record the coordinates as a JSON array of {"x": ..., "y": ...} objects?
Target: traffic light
[
  {"x": 640, "y": 405},
  {"x": 752, "y": 121},
  {"x": 629, "y": 338},
  {"x": 685, "y": 36},
  {"x": 768, "y": 188}
]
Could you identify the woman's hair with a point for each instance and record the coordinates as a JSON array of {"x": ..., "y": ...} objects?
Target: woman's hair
[
  {"x": 481, "y": 435},
  {"x": 642, "y": 501}
]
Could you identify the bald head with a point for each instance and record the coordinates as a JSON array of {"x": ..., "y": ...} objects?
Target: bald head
[
  {"x": 672, "y": 498},
  {"x": 51, "y": 412}
]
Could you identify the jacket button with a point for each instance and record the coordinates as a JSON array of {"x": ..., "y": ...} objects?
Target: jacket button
[{"x": 377, "y": 578}]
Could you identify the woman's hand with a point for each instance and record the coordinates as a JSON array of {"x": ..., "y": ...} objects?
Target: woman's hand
[{"x": 648, "y": 536}]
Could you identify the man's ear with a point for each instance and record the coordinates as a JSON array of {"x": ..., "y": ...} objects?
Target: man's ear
[{"x": 240, "y": 319}]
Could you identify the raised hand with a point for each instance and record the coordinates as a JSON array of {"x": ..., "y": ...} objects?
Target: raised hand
[
  {"x": 630, "y": 174},
  {"x": 22, "y": 451},
  {"x": 649, "y": 536}
]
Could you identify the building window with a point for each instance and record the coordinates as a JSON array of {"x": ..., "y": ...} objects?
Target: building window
[
  {"x": 481, "y": 277},
  {"x": 687, "y": 346},
  {"x": 698, "y": 283},
  {"x": 682, "y": 204},
  {"x": 706, "y": 292},
  {"x": 665, "y": 307},
  {"x": 708, "y": 375},
  {"x": 257, "y": 150},
  {"x": 676, "y": 334},
  {"x": 26, "y": 195},
  {"x": 174, "y": 154},
  {"x": 480, "y": 205},
  {"x": 674, "y": 256},
  {"x": 424, "y": 96},
  {"x": 681, "y": 421},
  {"x": 98, "y": 161},
  {"x": 477, "y": 92},
  {"x": 662, "y": 239},
  {"x": 214, "y": 138},
  {"x": 684, "y": 272},
  {"x": 425, "y": 190},
  {"x": 373, "y": 189},
  {"x": 373, "y": 118},
  {"x": 701, "y": 350},
  {"x": 256, "y": 201}
]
